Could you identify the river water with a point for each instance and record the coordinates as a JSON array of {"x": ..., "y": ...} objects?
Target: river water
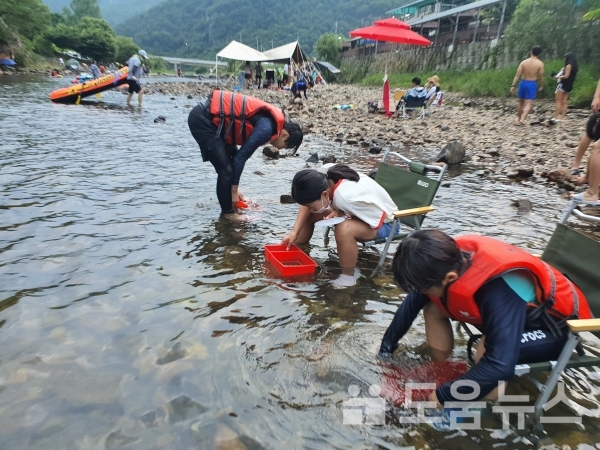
[{"x": 132, "y": 317}]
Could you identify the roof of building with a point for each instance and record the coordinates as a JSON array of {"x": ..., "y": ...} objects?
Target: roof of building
[
  {"x": 414, "y": 4},
  {"x": 451, "y": 12}
]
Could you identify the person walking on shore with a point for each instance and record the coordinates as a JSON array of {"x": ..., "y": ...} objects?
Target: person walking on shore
[
  {"x": 529, "y": 72},
  {"x": 135, "y": 72},
  {"x": 566, "y": 79},
  {"x": 587, "y": 138}
]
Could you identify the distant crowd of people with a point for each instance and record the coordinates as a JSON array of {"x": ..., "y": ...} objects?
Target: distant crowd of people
[{"x": 284, "y": 77}]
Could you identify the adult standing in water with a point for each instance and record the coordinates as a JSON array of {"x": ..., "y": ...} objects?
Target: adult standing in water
[
  {"x": 227, "y": 120},
  {"x": 135, "y": 72},
  {"x": 529, "y": 72},
  {"x": 566, "y": 78}
]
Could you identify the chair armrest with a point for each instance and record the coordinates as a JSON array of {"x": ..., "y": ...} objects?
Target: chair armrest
[
  {"x": 584, "y": 325},
  {"x": 413, "y": 211}
]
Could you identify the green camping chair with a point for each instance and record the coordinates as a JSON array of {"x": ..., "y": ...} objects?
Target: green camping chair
[
  {"x": 576, "y": 255},
  {"x": 411, "y": 190}
]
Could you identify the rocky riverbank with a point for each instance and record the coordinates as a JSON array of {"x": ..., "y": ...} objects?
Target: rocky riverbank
[{"x": 485, "y": 127}]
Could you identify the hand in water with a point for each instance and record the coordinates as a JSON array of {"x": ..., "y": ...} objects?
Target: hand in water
[{"x": 290, "y": 239}]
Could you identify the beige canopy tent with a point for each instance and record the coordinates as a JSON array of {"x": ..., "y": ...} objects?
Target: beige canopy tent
[{"x": 287, "y": 52}]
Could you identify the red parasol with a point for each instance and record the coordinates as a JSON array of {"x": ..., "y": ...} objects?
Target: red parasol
[{"x": 390, "y": 30}]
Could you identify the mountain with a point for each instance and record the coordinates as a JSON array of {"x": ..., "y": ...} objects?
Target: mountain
[
  {"x": 114, "y": 11},
  {"x": 208, "y": 25}
]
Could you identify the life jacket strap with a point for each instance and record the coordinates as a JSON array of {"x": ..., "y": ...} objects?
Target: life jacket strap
[{"x": 221, "y": 115}]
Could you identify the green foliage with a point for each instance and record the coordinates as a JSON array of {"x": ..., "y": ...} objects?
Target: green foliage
[
  {"x": 78, "y": 9},
  {"x": 497, "y": 82},
  {"x": 6, "y": 34},
  {"x": 328, "y": 48},
  {"x": 97, "y": 39},
  {"x": 91, "y": 37},
  {"x": 42, "y": 46},
  {"x": 209, "y": 25},
  {"x": 355, "y": 72},
  {"x": 125, "y": 48},
  {"x": 556, "y": 25},
  {"x": 29, "y": 18},
  {"x": 156, "y": 64},
  {"x": 113, "y": 11},
  {"x": 594, "y": 14}
]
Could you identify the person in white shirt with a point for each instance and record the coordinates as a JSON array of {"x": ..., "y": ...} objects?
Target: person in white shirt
[
  {"x": 285, "y": 74},
  {"x": 339, "y": 191}
]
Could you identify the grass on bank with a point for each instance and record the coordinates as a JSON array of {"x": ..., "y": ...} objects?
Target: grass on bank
[{"x": 497, "y": 82}]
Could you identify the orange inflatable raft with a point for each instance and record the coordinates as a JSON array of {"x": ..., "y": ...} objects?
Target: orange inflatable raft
[{"x": 73, "y": 94}]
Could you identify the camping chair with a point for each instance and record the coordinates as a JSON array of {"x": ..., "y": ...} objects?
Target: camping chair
[
  {"x": 414, "y": 104},
  {"x": 576, "y": 255},
  {"x": 411, "y": 190},
  {"x": 438, "y": 99}
]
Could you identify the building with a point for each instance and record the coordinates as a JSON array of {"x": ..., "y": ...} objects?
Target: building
[
  {"x": 454, "y": 22},
  {"x": 446, "y": 23}
]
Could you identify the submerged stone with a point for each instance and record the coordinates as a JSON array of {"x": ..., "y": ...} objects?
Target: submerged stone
[{"x": 182, "y": 408}]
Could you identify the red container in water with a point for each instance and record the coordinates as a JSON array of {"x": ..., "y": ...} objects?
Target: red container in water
[{"x": 289, "y": 262}]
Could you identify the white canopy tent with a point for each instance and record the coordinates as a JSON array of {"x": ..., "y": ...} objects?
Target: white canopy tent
[
  {"x": 288, "y": 54},
  {"x": 239, "y": 52}
]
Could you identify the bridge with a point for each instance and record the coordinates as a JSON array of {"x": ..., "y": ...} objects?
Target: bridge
[{"x": 193, "y": 62}]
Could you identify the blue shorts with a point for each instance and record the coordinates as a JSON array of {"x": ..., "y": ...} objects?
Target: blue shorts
[
  {"x": 384, "y": 231},
  {"x": 527, "y": 89}
]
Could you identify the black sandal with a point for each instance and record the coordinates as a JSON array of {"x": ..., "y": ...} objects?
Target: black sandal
[{"x": 575, "y": 171}]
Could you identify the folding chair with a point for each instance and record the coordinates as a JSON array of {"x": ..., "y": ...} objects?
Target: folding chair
[
  {"x": 415, "y": 104},
  {"x": 575, "y": 255},
  {"x": 411, "y": 190}
]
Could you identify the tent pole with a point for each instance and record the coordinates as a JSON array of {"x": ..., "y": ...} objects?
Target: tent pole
[{"x": 217, "y": 69}]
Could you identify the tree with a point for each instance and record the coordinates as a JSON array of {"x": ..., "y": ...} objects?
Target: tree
[
  {"x": 96, "y": 39},
  {"x": 552, "y": 24},
  {"x": 78, "y": 9},
  {"x": 64, "y": 37},
  {"x": 91, "y": 37},
  {"x": 125, "y": 48},
  {"x": 29, "y": 18},
  {"x": 328, "y": 48}
]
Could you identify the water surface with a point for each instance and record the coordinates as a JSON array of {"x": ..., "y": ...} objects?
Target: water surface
[{"x": 132, "y": 317}]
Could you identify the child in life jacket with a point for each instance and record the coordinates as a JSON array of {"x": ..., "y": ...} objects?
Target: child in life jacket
[
  {"x": 518, "y": 302},
  {"x": 339, "y": 191}
]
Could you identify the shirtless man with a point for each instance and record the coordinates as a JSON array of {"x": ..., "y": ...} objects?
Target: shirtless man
[{"x": 529, "y": 71}]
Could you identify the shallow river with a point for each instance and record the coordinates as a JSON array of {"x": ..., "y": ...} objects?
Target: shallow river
[{"x": 132, "y": 317}]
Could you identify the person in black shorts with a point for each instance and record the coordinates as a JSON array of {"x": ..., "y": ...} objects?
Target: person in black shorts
[
  {"x": 566, "y": 78},
  {"x": 218, "y": 141},
  {"x": 133, "y": 76}
]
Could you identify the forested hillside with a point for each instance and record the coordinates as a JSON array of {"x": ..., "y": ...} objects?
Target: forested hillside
[
  {"x": 208, "y": 25},
  {"x": 113, "y": 11}
]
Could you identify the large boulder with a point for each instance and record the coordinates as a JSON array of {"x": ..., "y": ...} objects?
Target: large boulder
[{"x": 453, "y": 153}]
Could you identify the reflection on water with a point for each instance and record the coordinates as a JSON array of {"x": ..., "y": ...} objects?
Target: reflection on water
[{"x": 131, "y": 316}]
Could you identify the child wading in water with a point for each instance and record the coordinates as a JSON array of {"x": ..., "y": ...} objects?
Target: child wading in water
[{"x": 339, "y": 191}]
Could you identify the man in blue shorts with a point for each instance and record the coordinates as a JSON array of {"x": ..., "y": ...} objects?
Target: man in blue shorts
[{"x": 529, "y": 72}]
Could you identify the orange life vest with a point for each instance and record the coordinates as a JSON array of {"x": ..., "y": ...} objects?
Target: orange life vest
[
  {"x": 490, "y": 258},
  {"x": 232, "y": 111}
]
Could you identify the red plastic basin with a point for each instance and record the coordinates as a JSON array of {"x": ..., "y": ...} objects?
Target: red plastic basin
[{"x": 289, "y": 262}]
